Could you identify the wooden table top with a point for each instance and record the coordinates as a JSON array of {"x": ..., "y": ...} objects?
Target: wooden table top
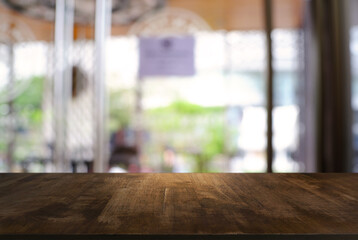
[{"x": 119, "y": 205}]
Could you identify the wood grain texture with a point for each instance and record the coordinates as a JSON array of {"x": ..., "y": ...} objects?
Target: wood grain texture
[{"x": 169, "y": 204}]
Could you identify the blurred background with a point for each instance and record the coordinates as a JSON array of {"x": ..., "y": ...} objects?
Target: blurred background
[{"x": 178, "y": 86}]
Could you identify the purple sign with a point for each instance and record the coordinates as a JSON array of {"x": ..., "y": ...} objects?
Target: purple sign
[{"x": 170, "y": 56}]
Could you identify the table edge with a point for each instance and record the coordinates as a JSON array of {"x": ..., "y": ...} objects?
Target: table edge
[{"x": 245, "y": 236}]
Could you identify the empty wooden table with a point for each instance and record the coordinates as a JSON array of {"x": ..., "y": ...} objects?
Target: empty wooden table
[{"x": 179, "y": 206}]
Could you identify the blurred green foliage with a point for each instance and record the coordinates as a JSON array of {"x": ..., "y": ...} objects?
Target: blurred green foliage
[
  {"x": 121, "y": 105},
  {"x": 190, "y": 129},
  {"x": 203, "y": 127},
  {"x": 28, "y": 105},
  {"x": 28, "y": 115},
  {"x": 186, "y": 108}
]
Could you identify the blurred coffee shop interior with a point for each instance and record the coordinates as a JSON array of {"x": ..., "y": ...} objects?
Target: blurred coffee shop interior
[{"x": 178, "y": 86}]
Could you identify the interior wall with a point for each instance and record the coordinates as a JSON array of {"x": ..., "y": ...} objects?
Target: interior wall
[{"x": 219, "y": 14}]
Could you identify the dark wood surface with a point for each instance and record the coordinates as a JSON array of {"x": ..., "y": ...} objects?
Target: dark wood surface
[{"x": 110, "y": 205}]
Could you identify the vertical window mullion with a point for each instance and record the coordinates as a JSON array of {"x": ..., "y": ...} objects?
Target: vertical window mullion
[{"x": 269, "y": 82}]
